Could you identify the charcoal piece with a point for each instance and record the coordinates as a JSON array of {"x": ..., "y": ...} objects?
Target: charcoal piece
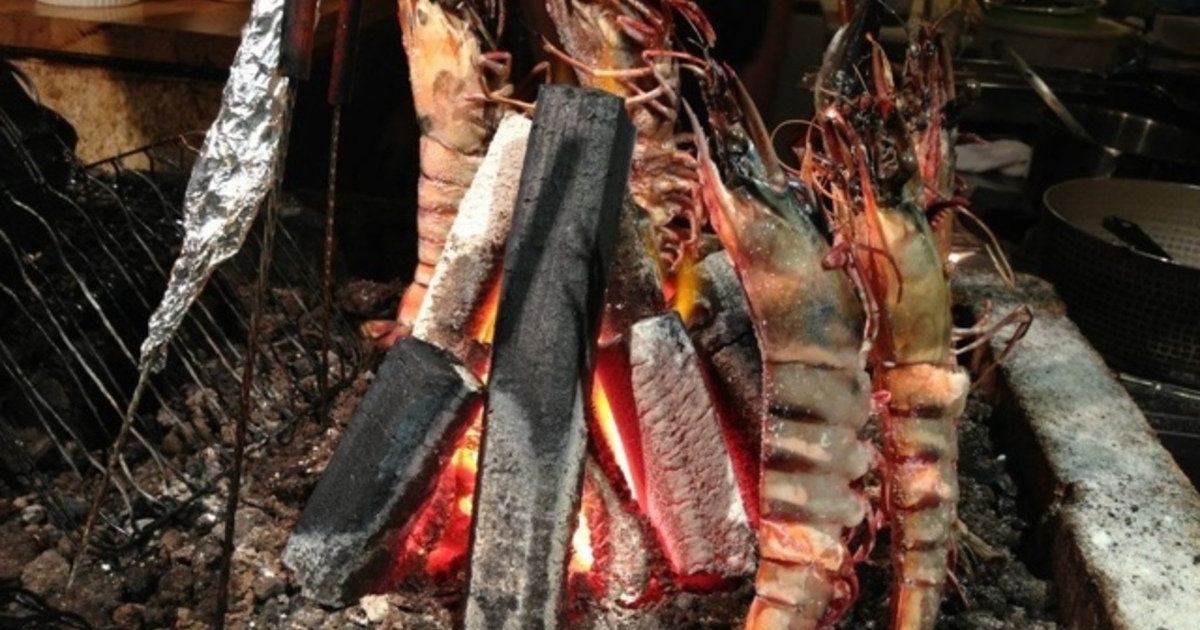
[
  {"x": 573, "y": 182},
  {"x": 634, "y": 287},
  {"x": 620, "y": 570},
  {"x": 383, "y": 468},
  {"x": 470, "y": 263},
  {"x": 623, "y": 545},
  {"x": 692, "y": 495},
  {"x": 724, "y": 333}
]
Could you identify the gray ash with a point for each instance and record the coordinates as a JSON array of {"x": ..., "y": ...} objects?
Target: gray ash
[{"x": 166, "y": 581}]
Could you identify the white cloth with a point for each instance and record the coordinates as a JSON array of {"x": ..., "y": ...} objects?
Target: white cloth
[{"x": 1010, "y": 157}]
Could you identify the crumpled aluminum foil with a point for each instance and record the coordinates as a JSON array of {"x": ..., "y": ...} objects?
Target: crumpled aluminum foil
[{"x": 238, "y": 166}]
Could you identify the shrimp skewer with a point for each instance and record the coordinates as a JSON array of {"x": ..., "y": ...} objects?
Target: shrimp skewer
[
  {"x": 809, "y": 324},
  {"x": 914, "y": 366},
  {"x": 452, "y": 68},
  {"x": 878, "y": 192}
]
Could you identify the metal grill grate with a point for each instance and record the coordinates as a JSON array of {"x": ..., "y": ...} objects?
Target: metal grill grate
[{"x": 83, "y": 266}]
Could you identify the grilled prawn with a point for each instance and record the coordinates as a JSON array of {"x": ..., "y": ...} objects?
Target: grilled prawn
[
  {"x": 877, "y": 190},
  {"x": 626, "y": 48},
  {"x": 927, "y": 97},
  {"x": 915, "y": 365},
  {"x": 452, "y": 63},
  {"x": 809, "y": 325}
]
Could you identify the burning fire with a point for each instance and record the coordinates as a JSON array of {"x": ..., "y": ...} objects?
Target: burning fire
[
  {"x": 440, "y": 537},
  {"x": 465, "y": 464},
  {"x": 439, "y": 541},
  {"x": 614, "y": 419},
  {"x": 610, "y": 432},
  {"x": 582, "y": 557},
  {"x": 437, "y": 545},
  {"x": 683, "y": 289},
  {"x": 483, "y": 325}
]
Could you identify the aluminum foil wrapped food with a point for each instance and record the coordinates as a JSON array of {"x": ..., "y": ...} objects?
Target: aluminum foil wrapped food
[{"x": 239, "y": 164}]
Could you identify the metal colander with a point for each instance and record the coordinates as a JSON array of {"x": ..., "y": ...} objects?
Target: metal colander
[{"x": 1140, "y": 311}]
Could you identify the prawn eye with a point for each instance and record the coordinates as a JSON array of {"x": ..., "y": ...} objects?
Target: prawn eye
[
  {"x": 739, "y": 145},
  {"x": 908, "y": 162}
]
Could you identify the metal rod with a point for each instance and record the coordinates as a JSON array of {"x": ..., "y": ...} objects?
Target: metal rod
[
  {"x": 243, "y": 419},
  {"x": 327, "y": 269}
]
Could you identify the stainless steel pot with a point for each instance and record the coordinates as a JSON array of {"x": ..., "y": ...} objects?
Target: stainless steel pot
[
  {"x": 1140, "y": 148},
  {"x": 1141, "y": 312}
]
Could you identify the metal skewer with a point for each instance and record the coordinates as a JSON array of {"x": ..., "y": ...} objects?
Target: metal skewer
[{"x": 341, "y": 88}]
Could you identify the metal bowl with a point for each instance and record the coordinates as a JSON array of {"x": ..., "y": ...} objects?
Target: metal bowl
[
  {"x": 1141, "y": 312},
  {"x": 1126, "y": 146}
]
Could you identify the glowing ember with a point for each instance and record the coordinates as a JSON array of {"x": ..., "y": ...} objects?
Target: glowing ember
[
  {"x": 590, "y": 560},
  {"x": 440, "y": 538},
  {"x": 450, "y": 549},
  {"x": 581, "y": 546},
  {"x": 437, "y": 542},
  {"x": 610, "y": 433}
]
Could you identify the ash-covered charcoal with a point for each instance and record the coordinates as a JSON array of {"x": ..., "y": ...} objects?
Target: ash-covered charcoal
[
  {"x": 723, "y": 334},
  {"x": 623, "y": 546},
  {"x": 573, "y": 182},
  {"x": 381, "y": 472},
  {"x": 693, "y": 498},
  {"x": 470, "y": 261}
]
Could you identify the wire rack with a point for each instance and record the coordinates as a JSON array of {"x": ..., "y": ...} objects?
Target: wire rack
[{"x": 84, "y": 260}]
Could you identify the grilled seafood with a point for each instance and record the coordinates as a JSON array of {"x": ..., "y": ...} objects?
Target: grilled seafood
[
  {"x": 625, "y": 47},
  {"x": 927, "y": 97},
  {"x": 452, "y": 65},
  {"x": 877, "y": 178},
  {"x": 877, "y": 193},
  {"x": 809, "y": 324}
]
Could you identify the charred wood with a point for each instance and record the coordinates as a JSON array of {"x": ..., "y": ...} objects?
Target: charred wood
[
  {"x": 723, "y": 333},
  {"x": 573, "y": 181},
  {"x": 382, "y": 471}
]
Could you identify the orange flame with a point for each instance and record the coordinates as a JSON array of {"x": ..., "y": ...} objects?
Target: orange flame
[
  {"x": 483, "y": 324},
  {"x": 582, "y": 557},
  {"x": 450, "y": 548},
  {"x": 465, "y": 464},
  {"x": 610, "y": 432},
  {"x": 682, "y": 289}
]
